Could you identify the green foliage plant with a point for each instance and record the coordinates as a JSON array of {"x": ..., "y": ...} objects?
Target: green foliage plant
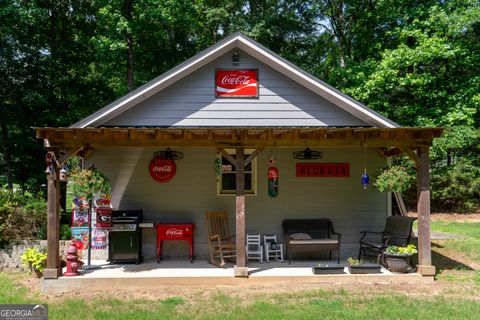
[
  {"x": 87, "y": 182},
  {"x": 409, "y": 250},
  {"x": 353, "y": 261},
  {"x": 394, "y": 178},
  {"x": 35, "y": 259},
  {"x": 23, "y": 215}
]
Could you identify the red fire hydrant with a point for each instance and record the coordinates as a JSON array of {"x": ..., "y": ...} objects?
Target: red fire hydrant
[{"x": 72, "y": 261}]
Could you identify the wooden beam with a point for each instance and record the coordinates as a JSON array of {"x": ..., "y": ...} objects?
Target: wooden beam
[
  {"x": 393, "y": 152},
  {"x": 423, "y": 211},
  {"x": 400, "y": 203},
  {"x": 68, "y": 154},
  {"x": 240, "y": 266},
  {"x": 382, "y": 152},
  {"x": 412, "y": 155},
  {"x": 228, "y": 156},
  {"x": 409, "y": 138},
  {"x": 253, "y": 155},
  {"x": 53, "y": 269}
]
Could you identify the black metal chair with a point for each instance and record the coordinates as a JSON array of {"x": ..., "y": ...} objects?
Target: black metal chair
[{"x": 397, "y": 232}]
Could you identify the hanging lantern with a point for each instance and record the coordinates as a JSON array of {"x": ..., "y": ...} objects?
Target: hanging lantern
[
  {"x": 63, "y": 175},
  {"x": 365, "y": 179}
]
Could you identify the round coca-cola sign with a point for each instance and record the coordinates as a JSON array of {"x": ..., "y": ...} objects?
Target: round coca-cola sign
[{"x": 162, "y": 170}]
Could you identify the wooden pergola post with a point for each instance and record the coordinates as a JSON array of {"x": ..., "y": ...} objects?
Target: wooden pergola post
[
  {"x": 53, "y": 269},
  {"x": 424, "y": 266},
  {"x": 241, "y": 269}
]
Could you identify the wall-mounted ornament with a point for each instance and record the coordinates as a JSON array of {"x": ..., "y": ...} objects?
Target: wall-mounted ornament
[
  {"x": 218, "y": 165},
  {"x": 307, "y": 154},
  {"x": 365, "y": 179},
  {"x": 272, "y": 177},
  {"x": 162, "y": 167},
  {"x": 169, "y": 154},
  {"x": 236, "y": 83}
]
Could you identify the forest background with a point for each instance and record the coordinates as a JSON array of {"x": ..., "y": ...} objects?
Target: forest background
[{"x": 416, "y": 62}]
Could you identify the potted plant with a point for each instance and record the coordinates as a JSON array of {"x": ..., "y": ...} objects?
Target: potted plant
[
  {"x": 356, "y": 266},
  {"x": 325, "y": 268},
  {"x": 34, "y": 260},
  {"x": 398, "y": 258}
]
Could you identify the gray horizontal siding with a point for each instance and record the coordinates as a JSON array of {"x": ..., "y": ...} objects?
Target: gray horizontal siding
[
  {"x": 191, "y": 102},
  {"x": 193, "y": 190}
]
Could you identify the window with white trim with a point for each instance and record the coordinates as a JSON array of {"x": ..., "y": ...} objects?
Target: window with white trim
[{"x": 226, "y": 180}]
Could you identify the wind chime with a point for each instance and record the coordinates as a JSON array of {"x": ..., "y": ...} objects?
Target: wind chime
[{"x": 365, "y": 178}]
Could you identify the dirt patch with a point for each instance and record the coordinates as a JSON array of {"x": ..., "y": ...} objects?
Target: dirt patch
[
  {"x": 470, "y": 217},
  {"x": 247, "y": 293}
]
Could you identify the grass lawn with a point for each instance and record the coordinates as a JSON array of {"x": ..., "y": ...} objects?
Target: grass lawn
[
  {"x": 455, "y": 294},
  {"x": 362, "y": 303},
  {"x": 470, "y": 245}
]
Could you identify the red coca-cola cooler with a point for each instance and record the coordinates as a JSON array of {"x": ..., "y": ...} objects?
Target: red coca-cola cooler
[{"x": 104, "y": 213}]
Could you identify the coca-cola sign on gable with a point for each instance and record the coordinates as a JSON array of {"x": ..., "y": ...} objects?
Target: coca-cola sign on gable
[
  {"x": 241, "y": 83},
  {"x": 162, "y": 170}
]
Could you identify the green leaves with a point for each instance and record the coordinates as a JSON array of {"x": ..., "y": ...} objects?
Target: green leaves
[
  {"x": 88, "y": 182},
  {"x": 394, "y": 178},
  {"x": 34, "y": 258}
]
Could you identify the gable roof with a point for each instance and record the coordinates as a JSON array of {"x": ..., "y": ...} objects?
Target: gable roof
[{"x": 256, "y": 50}]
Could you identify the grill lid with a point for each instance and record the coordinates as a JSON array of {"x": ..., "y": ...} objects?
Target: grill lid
[{"x": 127, "y": 216}]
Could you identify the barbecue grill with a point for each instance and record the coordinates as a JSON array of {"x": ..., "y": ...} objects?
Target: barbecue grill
[{"x": 125, "y": 237}]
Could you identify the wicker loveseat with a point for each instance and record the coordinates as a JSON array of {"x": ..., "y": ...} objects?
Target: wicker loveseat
[{"x": 310, "y": 235}]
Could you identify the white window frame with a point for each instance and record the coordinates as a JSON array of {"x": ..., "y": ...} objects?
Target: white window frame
[{"x": 253, "y": 172}]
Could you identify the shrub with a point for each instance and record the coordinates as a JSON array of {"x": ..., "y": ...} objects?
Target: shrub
[
  {"x": 22, "y": 216},
  {"x": 457, "y": 187},
  {"x": 394, "y": 178}
]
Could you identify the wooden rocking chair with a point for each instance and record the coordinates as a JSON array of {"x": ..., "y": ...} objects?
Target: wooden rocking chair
[{"x": 220, "y": 242}]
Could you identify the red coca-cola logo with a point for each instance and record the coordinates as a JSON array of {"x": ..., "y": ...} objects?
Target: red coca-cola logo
[
  {"x": 162, "y": 170},
  {"x": 236, "y": 83},
  {"x": 174, "y": 232},
  {"x": 272, "y": 173}
]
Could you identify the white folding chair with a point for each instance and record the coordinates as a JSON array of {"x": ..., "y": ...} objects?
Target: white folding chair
[
  {"x": 272, "y": 248},
  {"x": 254, "y": 247}
]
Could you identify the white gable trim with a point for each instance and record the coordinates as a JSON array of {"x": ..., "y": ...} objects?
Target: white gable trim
[{"x": 237, "y": 40}]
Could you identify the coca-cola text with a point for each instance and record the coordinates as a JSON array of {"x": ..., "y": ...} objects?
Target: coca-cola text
[{"x": 236, "y": 80}]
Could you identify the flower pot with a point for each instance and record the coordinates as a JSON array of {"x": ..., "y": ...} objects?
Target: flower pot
[
  {"x": 328, "y": 269},
  {"x": 364, "y": 268},
  {"x": 397, "y": 263},
  {"x": 36, "y": 273}
]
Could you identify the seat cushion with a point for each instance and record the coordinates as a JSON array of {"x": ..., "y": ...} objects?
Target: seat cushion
[
  {"x": 314, "y": 241},
  {"x": 300, "y": 236}
]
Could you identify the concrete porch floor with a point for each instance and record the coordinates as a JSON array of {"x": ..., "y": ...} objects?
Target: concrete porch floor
[{"x": 183, "y": 273}]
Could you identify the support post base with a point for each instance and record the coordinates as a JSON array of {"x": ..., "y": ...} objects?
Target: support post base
[
  {"x": 426, "y": 270},
  {"x": 240, "y": 272},
  {"x": 52, "y": 273}
]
